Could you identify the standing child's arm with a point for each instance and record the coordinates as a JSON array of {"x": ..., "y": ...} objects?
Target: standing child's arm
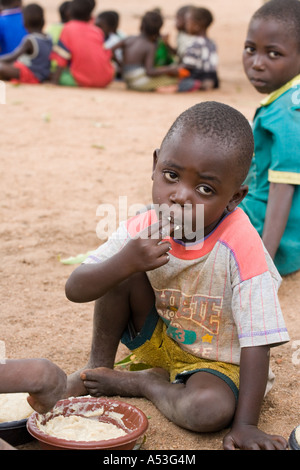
[
  {"x": 277, "y": 214},
  {"x": 244, "y": 433}
]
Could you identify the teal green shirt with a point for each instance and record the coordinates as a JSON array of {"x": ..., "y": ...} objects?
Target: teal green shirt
[{"x": 276, "y": 129}]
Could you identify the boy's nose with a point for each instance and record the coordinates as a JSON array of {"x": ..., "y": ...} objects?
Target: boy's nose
[
  {"x": 258, "y": 62},
  {"x": 181, "y": 196}
]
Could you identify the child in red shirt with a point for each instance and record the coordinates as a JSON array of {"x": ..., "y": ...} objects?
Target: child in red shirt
[{"x": 80, "y": 57}]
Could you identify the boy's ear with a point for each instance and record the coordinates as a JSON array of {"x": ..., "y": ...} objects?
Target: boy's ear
[
  {"x": 155, "y": 158},
  {"x": 237, "y": 197}
]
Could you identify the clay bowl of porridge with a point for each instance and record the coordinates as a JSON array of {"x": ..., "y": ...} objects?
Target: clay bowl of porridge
[
  {"x": 89, "y": 423},
  {"x": 14, "y": 412}
]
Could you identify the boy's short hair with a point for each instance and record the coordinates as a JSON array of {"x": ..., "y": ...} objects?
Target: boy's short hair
[
  {"x": 82, "y": 9},
  {"x": 227, "y": 127},
  {"x": 202, "y": 16},
  {"x": 111, "y": 18},
  {"x": 33, "y": 15},
  {"x": 283, "y": 11},
  {"x": 152, "y": 21},
  {"x": 64, "y": 11},
  {"x": 183, "y": 10}
]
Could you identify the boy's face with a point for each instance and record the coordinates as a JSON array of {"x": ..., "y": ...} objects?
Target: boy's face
[
  {"x": 180, "y": 22},
  {"x": 271, "y": 55},
  {"x": 191, "y": 171},
  {"x": 192, "y": 26}
]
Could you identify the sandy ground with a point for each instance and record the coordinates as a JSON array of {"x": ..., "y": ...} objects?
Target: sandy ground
[{"x": 66, "y": 151}]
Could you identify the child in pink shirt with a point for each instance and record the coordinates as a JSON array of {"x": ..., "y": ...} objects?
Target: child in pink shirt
[{"x": 80, "y": 57}]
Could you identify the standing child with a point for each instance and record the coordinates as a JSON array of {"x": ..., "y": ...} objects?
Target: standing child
[
  {"x": 12, "y": 29},
  {"x": 272, "y": 64},
  {"x": 199, "y": 306},
  {"x": 80, "y": 56},
  {"x": 30, "y": 62},
  {"x": 138, "y": 67}
]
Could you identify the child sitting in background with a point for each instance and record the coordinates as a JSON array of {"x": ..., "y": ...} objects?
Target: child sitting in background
[
  {"x": 54, "y": 30},
  {"x": 12, "y": 29},
  {"x": 200, "y": 58},
  {"x": 272, "y": 64},
  {"x": 80, "y": 56},
  {"x": 42, "y": 379},
  {"x": 184, "y": 39},
  {"x": 138, "y": 67},
  {"x": 30, "y": 62},
  {"x": 108, "y": 21}
]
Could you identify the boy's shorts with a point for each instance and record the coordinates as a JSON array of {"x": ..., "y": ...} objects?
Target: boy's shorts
[
  {"x": 26, "y": 75},
  {"x": 154, "y": 348}
]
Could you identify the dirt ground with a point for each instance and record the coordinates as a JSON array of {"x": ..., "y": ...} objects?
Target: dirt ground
[{"x": 66, "y": 151}]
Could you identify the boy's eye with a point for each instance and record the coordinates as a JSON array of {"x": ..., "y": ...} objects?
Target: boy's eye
[
  {"x": 205, "y": 190},
  {"x": 249, "y": 49},
  {"x": 170, "y": 176},
  {"x": 274, "y": 54}
]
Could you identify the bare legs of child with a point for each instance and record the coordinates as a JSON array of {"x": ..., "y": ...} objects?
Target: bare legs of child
[
  {"x": 8, "y": 72},
  {"x": 204, "y": 404}
]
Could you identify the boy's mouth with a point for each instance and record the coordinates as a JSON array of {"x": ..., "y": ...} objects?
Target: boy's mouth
[
  {"x": 258, "y": 83},
  {"x": 176, "y": 224}
]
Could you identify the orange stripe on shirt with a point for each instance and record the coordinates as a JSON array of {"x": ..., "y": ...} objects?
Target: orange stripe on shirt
[{"x": 235, "y": 231}]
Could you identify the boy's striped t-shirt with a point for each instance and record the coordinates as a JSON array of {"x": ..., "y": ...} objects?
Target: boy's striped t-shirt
[{"x": 217, "y": 295}]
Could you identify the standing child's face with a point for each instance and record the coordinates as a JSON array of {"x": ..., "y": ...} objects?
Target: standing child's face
[
  {"x": 271, "y": 55},
  {"x": 191, "y": 171}
]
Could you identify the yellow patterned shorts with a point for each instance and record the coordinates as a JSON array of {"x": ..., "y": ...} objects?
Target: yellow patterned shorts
[{"x": 154, "y": 348}]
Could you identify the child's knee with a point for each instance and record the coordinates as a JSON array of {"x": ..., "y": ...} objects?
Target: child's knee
[{"x": 205, "y": 414}]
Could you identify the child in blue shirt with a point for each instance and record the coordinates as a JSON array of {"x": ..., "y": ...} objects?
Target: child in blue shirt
[
  {"x": 12, "y": 29},
  {"x": 271, "y": 61}
]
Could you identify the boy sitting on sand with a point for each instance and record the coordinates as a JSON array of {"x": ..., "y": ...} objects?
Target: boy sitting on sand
[
  {"x": 30, "y": 62},
  {"x": 80, "y": 56},
  {"x": 200, "y": 58},
  {"x": 138, "y": 63},
  {"x": 194, "y": 299},
  {"x": 272, "y": 64}
]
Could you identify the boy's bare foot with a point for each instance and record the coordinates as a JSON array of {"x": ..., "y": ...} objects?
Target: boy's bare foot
[{"x": 103, "y": 381}]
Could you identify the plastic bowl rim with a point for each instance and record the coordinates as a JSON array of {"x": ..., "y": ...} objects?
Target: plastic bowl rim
[{"x": 103, "y": 444}]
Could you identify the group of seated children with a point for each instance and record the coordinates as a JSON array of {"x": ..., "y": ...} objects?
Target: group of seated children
[
  {"x": 75, "y": 57},
  {"x": 193, "y": 65},
  {"x": 84, "y": 51}
]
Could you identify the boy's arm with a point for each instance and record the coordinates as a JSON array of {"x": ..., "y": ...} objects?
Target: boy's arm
[
  {"x": 244, "y": 433},
  {"x": 91, "y": 281},
  {"x": 153, "y": 71},
  {"x": 277, "y": 214},
  {"x": 25, "y": 47},
  {"x": 42, "y": 379}
]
